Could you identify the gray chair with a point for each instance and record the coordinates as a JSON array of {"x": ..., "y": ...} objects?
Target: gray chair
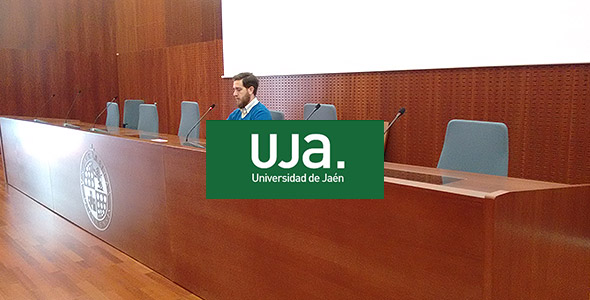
[
  {"x": 277, "y": 115},
  {"x": 475, "y": 146},
  {"x": 148, "y": 118},
  {"x": 189, "y": 115},
  {"x": 112, "y": 114},
  {"x": 326, "y": 112},
  {"x": 131, "y": 113}
]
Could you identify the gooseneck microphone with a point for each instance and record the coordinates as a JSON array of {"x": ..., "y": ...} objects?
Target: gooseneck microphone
[
  {"x": 399, "y": 114},
  {"x": 40, "y": 108},
  {"x": 314, "y": 110},
  {"x": 66, "y": 124},
  {"x": 186, "y": 142},
  {"x": 102, "y": 112}
]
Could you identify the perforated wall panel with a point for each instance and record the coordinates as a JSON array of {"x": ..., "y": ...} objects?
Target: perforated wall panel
[{"x": 545, "y": 109}]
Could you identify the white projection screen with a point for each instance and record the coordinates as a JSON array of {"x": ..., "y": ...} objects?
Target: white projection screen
[{"x": 281, "y": 37}]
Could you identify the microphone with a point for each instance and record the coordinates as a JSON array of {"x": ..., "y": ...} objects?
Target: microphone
[
  {"x": 186, "y": 142},
  {"x": 66, "y": 124},
  {"x": 40, "y": 108},
  {"x": 100, "y": 114},
  {"x": 399, "y": 114},
  {"x": 314, "y": 110}
]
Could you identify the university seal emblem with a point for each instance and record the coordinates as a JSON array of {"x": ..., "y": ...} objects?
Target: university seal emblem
[{"x": 96, "y": 190}]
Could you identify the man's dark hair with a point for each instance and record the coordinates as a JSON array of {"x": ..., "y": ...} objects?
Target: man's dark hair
[{"x": 248, "y": 80}]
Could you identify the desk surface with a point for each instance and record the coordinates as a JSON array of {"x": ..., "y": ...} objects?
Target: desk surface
[
  {"x": 170, "y": 140},
  {"x": 437, "y": 234},
  {"x": 454, "y": 181}
]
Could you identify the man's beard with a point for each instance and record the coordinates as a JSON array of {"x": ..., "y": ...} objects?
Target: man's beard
[{"x": 244, "y": 101}]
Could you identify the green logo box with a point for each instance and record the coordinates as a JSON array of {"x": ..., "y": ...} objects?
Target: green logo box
[{"x": 309, "y": 159}]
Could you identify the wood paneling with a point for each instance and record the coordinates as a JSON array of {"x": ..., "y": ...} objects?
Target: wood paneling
[
  {"x": 169, "y": 52},
  {"x": 538, "y": 238},
  {"x": 189, "y": 21},
  {"x": 546, "y": 109},
  {"x": 64, "y": 25},
  {"x": 194, "y": 73},
  {"x": 57, "y": 47},
  {"x": 150, "y": 18},
  {"x": 143, "y": 75},
  {"x": 147, "y": 24},
  {"x": 30, "y": 77},
  {"x": 140, "y": 25},
  {"x": 46, "y": 257},
  {"x": 51, "y": 156},
  {"x": 171, "y": 75},
  {"x": 125, "y": 12}
]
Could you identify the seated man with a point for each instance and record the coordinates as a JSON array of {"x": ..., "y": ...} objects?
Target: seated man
[{"x": 249, "y": 108}]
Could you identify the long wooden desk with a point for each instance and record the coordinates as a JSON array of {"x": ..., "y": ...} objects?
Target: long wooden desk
[{"x": 437, "y": 234}]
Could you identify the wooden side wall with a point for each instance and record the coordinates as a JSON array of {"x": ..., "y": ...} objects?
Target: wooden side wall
[
  {"x": 57, "y": 47},
  {"x": 170, "y": 51}
]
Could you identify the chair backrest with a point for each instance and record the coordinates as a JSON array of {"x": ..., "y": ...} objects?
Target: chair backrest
[
  {"x": 475, "y": 146},
  {"x": 326, "y": 112},
  {"x": 131, "y": 113},
  {"x": 277, "y": 115},
  {"x": 189, "y": 115},
  {"x": 148, "y": 118},
  {"x": 112, "y": 114}
]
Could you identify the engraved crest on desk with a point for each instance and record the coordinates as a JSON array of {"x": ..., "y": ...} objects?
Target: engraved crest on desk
[{"x": 96, "y": 190}]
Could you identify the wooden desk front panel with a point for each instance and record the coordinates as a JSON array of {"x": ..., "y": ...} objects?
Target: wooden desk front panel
[
  {"x": 139, "y": 219},
  {"x": 414, "y": 244},
  {"x": 26, "y": 159},
  {"x": 542, "y": 244},
  {"x": 423, "y": 241}
]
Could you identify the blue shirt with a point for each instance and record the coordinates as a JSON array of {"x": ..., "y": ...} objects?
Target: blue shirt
[{"x": 258, "y": 112}]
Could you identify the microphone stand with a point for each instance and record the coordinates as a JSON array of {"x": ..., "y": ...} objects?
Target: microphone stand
[
  {"x": 196, "y": 145},
  {"x": 66, "y": 124},
  {"x": 313, "y": 112},
  {"x": 399, "y": 114},
  {"x": 39, "y": 110},
  {"x": 94, "y": 129}
]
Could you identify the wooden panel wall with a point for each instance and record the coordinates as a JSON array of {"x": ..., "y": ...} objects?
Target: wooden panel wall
[
  {"x": 546, "y": 109},
  {"x": 169, "y": 52},
  {"x": 172, "y": 51},
  {"x": 57, "y": 47}
]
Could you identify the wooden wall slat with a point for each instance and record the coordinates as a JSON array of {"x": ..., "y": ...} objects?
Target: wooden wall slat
[
  {"x": 126, "y": 24},
  {"x": 184, "y": 22},
  {"x": 190, "y": 70},
  {"x": 143, "y": 75},
  {"x": 169, "y": 52},
  {"x": 57, "y": 47},
  {"x": 172, "y": 75}
]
